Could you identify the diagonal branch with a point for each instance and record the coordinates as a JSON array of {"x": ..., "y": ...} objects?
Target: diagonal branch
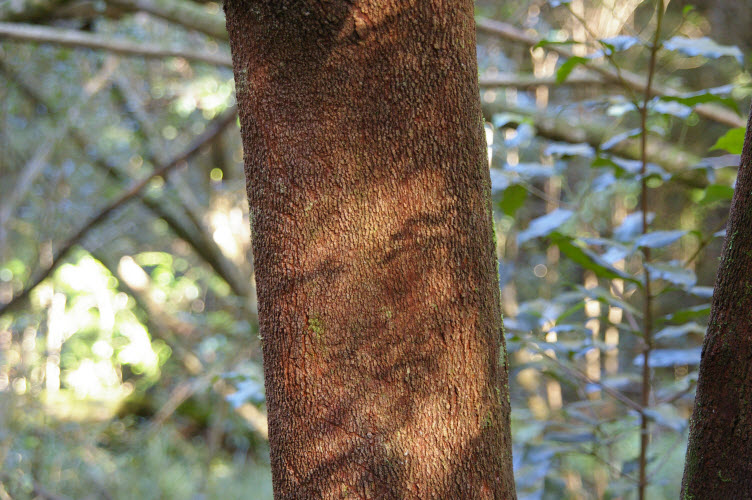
[
  {"x": 219, "y": 125},
  {"x": 223, "y": 266},
  {"x": 522, "y": 81},
  {"x": 187, "y": 14},
  {"x": 80, "y": 39},
  {"x": 197, "y": 238},
  {"x": 34, "y": 167}
]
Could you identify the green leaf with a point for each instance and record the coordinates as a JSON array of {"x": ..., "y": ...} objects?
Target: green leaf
[
  {"x": 587, "y": 259},
  {"x": 684, "y": 315},
  {"x": 702, "y": 47},
  {"x": 620, "y": 137},
  {"x": 667, "y": 416},
  {"x": 578, "y": 306},
  {"x": 717, "y": 192},
  {"x": 732, "y": 141},
  {"x": 704, "y": 292},
  {"x": 512, "y": 198},
  {"x": 619, "y": 43},
  {"x": 678, "y": 331},
  {"x": 570, "y": 437},
  {"x": 631, "y": 226},
  {"x": 501, "y": 119},
  {"x": 714, "y": 95},
  {"x": 544, "y": 225},
  {"x": 554, "y": 487},
  {"x": 675, "y": 274},
  {"x": 676, "y": 109},
  {"x": 546, "y": 42},
  {"x": 565, "y": 69},
  {"x": 664, "y": 358},
  {"x": 565, "y": 150},
  {"x": 657, "y": 239}
]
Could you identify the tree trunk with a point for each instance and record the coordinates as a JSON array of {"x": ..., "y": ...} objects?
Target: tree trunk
[
  {"x": 719, "y": 455},
  {"x": 377, "y": 279}
]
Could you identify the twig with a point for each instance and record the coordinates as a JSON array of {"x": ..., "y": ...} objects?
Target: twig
[
  {"x": 677, "y": 395},
  {"x": 211, "y": 252},
  {"x": 187, "y": 14},
  {"x": 178, "y": 396},
  {"x": 34, "y": 166},
  {"x": 582, "y": 376},
  {"x": 614, "y": 469},
  {"x": 80, "y": 39},
  {"x": 220, "y": 124},
  {"x": 703, "y": 243},
  {"x": 531, "y": 81},
  {"x": 194, "y": 235},
  {"x": 647, "y": 320}
]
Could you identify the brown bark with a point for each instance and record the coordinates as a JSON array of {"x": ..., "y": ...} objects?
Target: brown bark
[
  {"x": 373, "y": 245},
  {"x": 719, "y": 454}
]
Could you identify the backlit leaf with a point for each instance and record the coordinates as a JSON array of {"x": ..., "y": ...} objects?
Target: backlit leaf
[
  {"x": 544, "y": 225},
  {"x": 717, "y": 192},
  {"x": 657, "y": 239},
  {"x": 704, "y": 46},
  {"x": 586, "y": 258},
  {"x": 664, "y": 358},
  {"x": 732, "y": 141},
  {"x": 512, "y": 199},
  {"x": 677, "y": 331},
  {"x": 565, "y": 69},
  {"x": 672, "y": 273}
]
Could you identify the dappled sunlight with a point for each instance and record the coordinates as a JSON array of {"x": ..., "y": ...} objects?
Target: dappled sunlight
[
  {"x": 95, "y": 380},
  {"x": 132, "y": 273},
  {"x": 130, "y": 344},
  {"x": 138, "y": 352},
  {"x": 230, "y": 230}
]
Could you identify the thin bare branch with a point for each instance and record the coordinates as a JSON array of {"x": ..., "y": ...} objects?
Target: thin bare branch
[
  {"x": 197, "y": 238},
  {"x": 80, "y": 39},
  {"x": 518, "y": 81},
  {"x": 187, "y": 14},
  {"x": 224, "y": 267},
  {"x": 218, "y": 126},
  {"x": 36, "y": 164},
  {"x": 647, "y": 319},
  {"x": 577, "y": 373}
]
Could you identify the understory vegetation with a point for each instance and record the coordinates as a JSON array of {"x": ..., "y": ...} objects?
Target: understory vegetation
[{"x": 130, "y": 362}]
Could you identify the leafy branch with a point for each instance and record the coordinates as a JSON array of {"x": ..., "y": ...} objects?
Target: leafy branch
[{"x": 631, "y": 80}]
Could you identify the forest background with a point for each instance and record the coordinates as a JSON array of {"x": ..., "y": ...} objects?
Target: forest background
[{"x": 129, "y": 354}]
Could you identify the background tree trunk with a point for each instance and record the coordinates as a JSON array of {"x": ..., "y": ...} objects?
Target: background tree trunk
[
  {"x": 375, "y": 263},
  {"x": 719, "y": 454}
]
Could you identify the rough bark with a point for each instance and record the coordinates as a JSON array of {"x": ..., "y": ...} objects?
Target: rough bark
[
  {"x": 719, "y": 454},
  {"x": 373, "y": 244}
]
